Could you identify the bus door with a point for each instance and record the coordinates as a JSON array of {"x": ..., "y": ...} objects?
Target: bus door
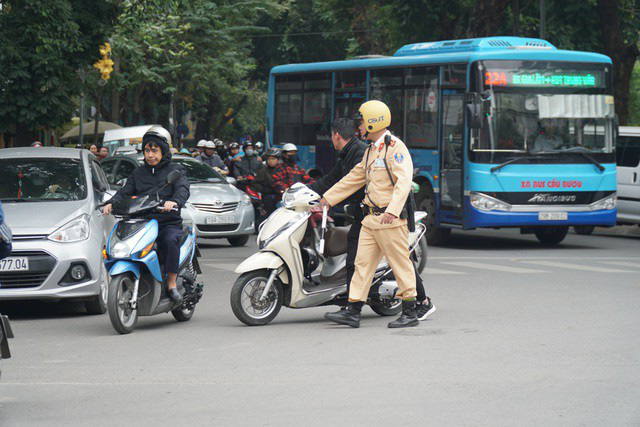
[{"x": 452, "y": 156}]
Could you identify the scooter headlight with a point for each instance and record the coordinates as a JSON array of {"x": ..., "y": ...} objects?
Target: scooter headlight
[{"x": 120, "y": 250}]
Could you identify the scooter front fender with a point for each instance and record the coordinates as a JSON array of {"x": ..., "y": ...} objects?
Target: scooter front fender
[
  {"x": 124, "y": 266},
  {"x": 260, "y": 260}
]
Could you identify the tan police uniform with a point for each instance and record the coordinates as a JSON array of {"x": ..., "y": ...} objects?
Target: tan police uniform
[{"x": 377, "y": 239}]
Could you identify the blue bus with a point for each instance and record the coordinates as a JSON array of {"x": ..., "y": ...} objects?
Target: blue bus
[{"x": 503, "y": 131}]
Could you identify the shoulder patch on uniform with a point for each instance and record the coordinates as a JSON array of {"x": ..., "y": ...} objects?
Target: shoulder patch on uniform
[
  {"x": 398, "y": 157},
  {"x": 393, "y": 142}
]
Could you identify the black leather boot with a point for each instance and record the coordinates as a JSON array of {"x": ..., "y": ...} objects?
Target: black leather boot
[
  {"x": 175, "y": 295},
  {"x": 349, "y": 316},
  {"x": 408, "y": 318}
]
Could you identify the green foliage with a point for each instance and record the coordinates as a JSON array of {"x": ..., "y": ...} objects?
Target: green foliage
[{"x": 42, "y": 45}]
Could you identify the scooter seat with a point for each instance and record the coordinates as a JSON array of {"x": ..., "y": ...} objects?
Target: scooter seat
[
  {"x": 186, "y": 231},
  {"x": 336, "y": 241}
]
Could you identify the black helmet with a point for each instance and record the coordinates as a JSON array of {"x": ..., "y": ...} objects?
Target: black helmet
[
  {"x": 247, "y": 144},
  {"x": 273, "y": 152},
  {"x": 220, "y": 145}
]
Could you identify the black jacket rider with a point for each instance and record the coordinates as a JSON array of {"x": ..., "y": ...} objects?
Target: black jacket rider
[
  {"x": 147, "y": 180},
  {"x": 350, "y": 155}
]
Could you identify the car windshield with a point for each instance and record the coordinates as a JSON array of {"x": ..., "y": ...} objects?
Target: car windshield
[
  {"x": 543, "y": 123},
  {"x": 199, "y": 172},
  {"x": 41, "y": 180}
]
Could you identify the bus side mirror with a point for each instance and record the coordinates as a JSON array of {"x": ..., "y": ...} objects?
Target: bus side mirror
[{"x": 474, "y": 114}]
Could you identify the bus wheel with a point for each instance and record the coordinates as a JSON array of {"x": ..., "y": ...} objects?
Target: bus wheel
[
  {"x": 426, "y": 202},
  {"x": 550, "y": 236},
  {"x": 584, "y": 230}
]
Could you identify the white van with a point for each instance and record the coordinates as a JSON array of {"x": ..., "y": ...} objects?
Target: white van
[
  {"x": 628, "y": 171},
  {"x": 123, "y": 137}
]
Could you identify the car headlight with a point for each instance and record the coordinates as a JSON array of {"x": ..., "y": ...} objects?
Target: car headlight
[
  {"x": 288, "y": 200},
  {"x": 74, "y": 231},
  {"x": 246, "y": 200},
  {"x": 120, "y": 250},
  {"x": 608, "y": 203},
  {"x": 486, "y": 203}
]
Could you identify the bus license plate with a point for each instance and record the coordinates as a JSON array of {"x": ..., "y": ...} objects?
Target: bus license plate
[
  {"x": 552, "y": 216},
  {"x": 227, "y": 219},
  {"x": 14, "y": 264}
]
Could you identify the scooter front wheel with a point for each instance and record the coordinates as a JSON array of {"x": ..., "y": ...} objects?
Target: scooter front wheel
[
  {"x": 123, "y": 316},
  {"x": 245, "y": 298}
]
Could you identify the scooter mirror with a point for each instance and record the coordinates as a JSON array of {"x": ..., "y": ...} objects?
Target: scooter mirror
[{"x": 173, "y": 177}]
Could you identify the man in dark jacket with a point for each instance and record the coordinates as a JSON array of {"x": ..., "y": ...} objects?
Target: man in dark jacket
[
  {"x": 211, "y": 158},
  {"x": 263, "y": 182},
  {"x": 351, "y": 151},
  {"x": 147, "y": 180},
  {"x": 249, "y": 164}
]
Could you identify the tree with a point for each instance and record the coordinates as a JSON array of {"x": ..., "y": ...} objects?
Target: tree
[{"x": 41, "y": 48}]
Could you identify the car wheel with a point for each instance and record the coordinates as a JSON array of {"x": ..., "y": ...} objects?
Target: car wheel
[
  {"x": 238, "y": 241},
  {"x": 98, "y": 304}
]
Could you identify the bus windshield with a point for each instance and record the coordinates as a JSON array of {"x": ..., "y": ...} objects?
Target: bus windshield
[
  {"x": 543, "y": 123},
  {"x": 544, "y": 108}
]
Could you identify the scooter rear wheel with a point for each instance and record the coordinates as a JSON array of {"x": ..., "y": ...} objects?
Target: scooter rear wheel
[
  {"x": 183, "y": 314},
  {"x": 386, "y": 308},
  {"x": 123, "y": 317},
  {"x": 245, "y": 298}
]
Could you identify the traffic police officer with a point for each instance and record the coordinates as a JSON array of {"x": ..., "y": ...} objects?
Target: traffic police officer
[{"x": 386, "y": 172}]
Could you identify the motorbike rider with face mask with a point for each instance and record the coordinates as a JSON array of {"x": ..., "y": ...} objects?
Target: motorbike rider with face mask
[
  {"x": 288, "y": 173},
  {"x": 263, "y": 182},
  {"x": 249, "y": 164},
  {"x": 150, "y": 180}
]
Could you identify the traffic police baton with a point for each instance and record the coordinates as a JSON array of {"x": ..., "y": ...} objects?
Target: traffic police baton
[{"x": 323, "y": 229}]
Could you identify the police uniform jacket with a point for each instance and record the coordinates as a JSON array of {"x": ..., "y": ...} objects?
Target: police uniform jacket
[{"x": 380, "y": 191}]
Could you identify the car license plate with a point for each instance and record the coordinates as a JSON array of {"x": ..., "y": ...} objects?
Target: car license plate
[
  {"x": 552, "y": 216},
  {"x": 227, "y": 219},
  {"x": 14, "y": 264}
]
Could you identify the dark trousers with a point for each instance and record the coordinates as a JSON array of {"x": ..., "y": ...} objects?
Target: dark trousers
[
  {"x": 168, "y": 241},
  {"x": 352, "y": 250}
]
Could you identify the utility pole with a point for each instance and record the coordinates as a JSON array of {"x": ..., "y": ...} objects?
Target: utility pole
[
  {"x": 516, "y": 17},
  {"x": 542, "y": 20}
]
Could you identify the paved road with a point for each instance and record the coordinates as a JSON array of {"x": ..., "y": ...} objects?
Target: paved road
[{"x": 523, "y": 335}]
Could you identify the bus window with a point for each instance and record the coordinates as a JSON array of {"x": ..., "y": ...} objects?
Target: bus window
[
  {"x": 454, "y": 75},
  {"x": 421, "y": 106},
  {"x": 386, "y": 86},
  {"x": 288, "y": 114},
  {"x": 350, "y": 80}
]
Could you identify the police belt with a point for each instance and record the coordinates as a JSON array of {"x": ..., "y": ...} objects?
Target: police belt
[{"x": 377, "y": 210}]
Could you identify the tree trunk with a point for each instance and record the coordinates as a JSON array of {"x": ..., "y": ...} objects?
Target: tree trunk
[
  {"x": 97, "y": 118},
  {"x": 516, "y": 17},
  {"x": 487, "y": 18},
  {"x": 115, "y": 96},
  {"x": 225, "y": 119},
  {"x": 623, "y": 55}
]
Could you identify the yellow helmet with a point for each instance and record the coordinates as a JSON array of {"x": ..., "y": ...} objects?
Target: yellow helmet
[{"x": 375, "y": 114}]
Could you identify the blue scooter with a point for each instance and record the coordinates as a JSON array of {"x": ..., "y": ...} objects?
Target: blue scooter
[{"x": 136, "y": 287}]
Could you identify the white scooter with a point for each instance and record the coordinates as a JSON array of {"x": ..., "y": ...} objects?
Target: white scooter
[{"x": 284, "y": 271}]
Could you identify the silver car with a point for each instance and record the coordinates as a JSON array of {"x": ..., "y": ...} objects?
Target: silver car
[
  {"x": 50, "y": 196},
  {"x": 217, "y": 208}
]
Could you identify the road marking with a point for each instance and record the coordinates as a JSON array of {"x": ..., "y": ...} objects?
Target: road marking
[
  {"x": 430, "y": 270},
  {"x": 623, "y": 263},
  {"x": 502, "y": 268},
  {"x": 581, "y": 267}
]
